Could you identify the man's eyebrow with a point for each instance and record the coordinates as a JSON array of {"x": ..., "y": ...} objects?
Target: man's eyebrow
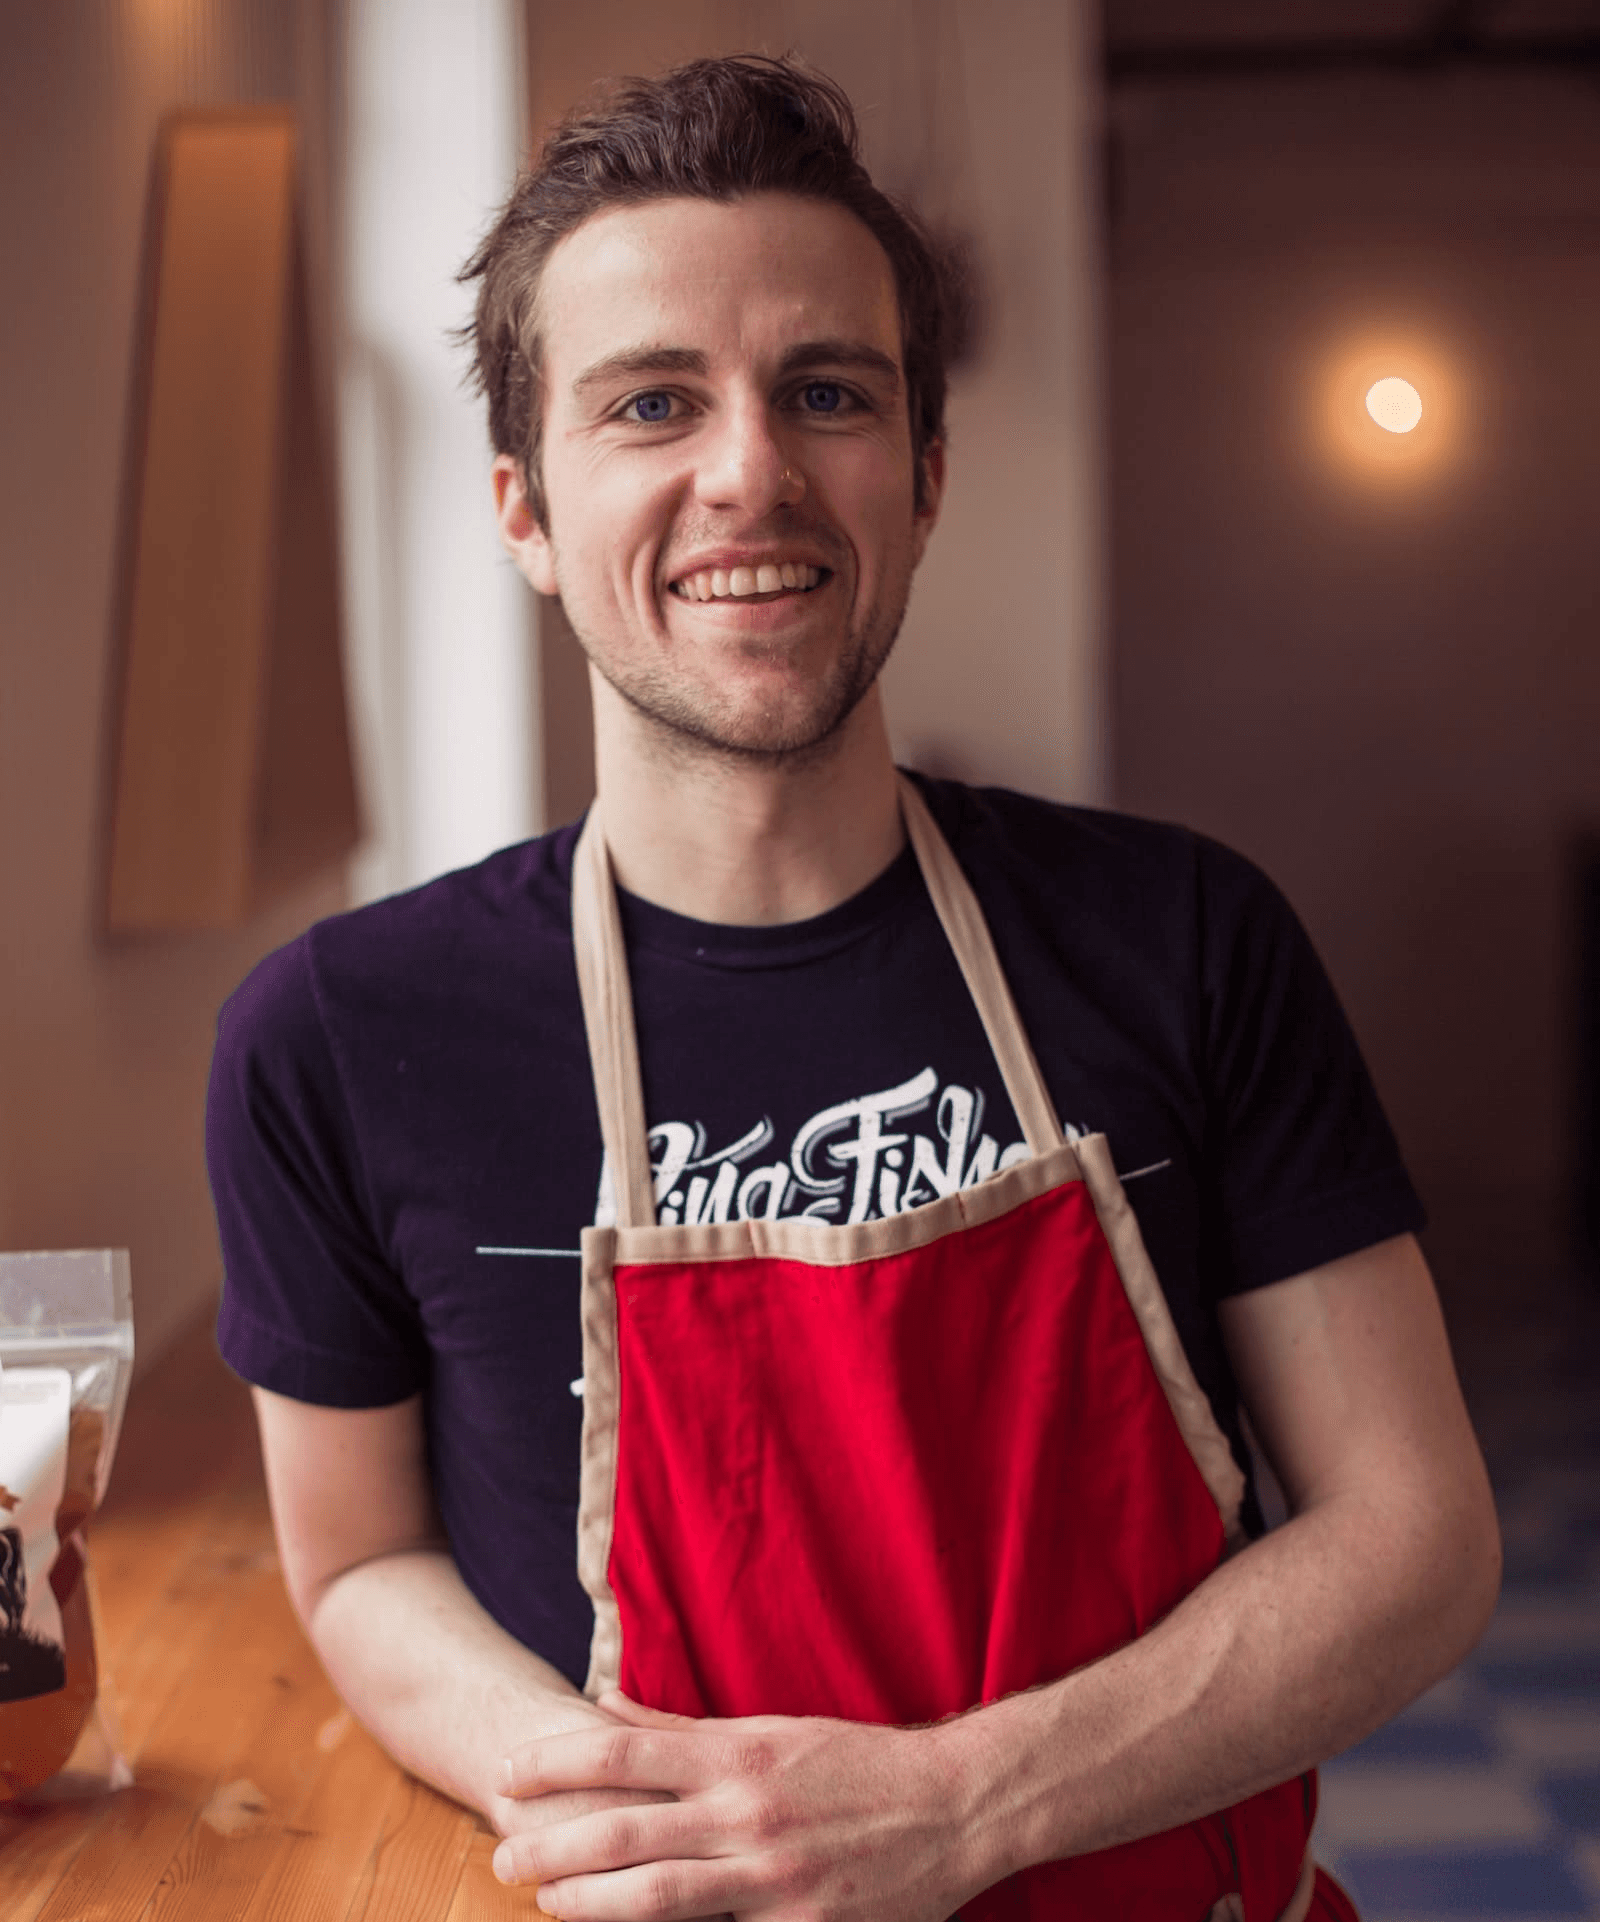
[
  {"x": 841, "y": 353},
  {"x": 631, "y": 361}
]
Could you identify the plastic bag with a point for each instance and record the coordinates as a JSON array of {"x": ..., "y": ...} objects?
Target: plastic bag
[{"x": 66, "y": 1352}]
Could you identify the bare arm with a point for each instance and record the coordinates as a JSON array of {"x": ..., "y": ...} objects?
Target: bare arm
[
  {"x": 1292, "y": 1650},
  {"x": 441, "y": 1685},
  {"x": 1380, "y": 1582}
]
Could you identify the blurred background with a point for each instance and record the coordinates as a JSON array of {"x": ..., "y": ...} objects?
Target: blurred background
[{"x": 1184, "y": 570}]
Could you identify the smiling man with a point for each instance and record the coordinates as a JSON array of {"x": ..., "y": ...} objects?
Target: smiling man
[{"x": 750, "y": 1302}]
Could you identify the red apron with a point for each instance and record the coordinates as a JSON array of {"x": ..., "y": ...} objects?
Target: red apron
[{"x": 890, "y": 1470}]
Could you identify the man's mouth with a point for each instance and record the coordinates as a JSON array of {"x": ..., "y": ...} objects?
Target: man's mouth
[{"x": 749, "y": 583}]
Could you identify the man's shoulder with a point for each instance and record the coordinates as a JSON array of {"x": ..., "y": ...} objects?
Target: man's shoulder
[
  {"x": 507, "y": 912},
  {"x": 1094, "y": 857}
]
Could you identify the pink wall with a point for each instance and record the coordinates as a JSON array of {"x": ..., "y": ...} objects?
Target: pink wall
[
  {"x": 1382, "y": 684},
  {"x": 103, "y": 1050}
]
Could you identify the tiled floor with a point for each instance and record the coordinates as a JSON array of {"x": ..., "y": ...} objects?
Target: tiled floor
[{"x": 1483, "y": 1799}]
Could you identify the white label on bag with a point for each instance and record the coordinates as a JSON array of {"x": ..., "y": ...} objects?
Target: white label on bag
[{"x": 35, "y": 1415}]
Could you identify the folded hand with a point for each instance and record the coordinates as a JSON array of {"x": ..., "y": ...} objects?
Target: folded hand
[{"x": 764, "y": 1816}]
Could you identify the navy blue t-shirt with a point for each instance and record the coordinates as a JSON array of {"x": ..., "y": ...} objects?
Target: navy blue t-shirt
[{"x": 404, "y": 1145}]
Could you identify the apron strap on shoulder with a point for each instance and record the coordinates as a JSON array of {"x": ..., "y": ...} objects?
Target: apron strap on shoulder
[
  {"x": 968, "y": 934},
  {"x": 608, "y": 1022}
]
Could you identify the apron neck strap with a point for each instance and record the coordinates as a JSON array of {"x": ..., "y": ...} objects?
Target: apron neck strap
[
  {"x": 608, "y": 1022},
  {"x": 613, "y": 1040},
  {"x": 968, "y": 934}
]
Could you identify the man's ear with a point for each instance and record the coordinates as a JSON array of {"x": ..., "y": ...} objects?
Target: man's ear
[
  {"x": 933, "y": 471},
  {"x": 521, "y": 534}
]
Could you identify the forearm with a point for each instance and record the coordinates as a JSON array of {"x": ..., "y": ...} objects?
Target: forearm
[
  {"x": 1290, "y": 1652},
  {"x": 435, "y": 1678}
]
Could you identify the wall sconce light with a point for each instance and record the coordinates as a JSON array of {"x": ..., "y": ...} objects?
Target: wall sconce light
[
  {"x": 1387, "y": 409},
  {"x": 1394, "y": 404}
]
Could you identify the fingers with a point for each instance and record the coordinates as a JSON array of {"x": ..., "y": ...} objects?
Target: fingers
[
  {"x": 625, "y": 1709},
  {"x": 632, "y": 1862},
  {"x": 612, "y": 1758},
  {"x": 653, "y": 1892},
  {"x": 522, "y": 1815},
  {"x": 635, "y": 1898},
  {"x": 609, "y": 1839}
]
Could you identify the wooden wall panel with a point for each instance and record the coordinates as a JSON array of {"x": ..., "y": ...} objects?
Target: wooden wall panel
[{"x": 233, "y": 774}]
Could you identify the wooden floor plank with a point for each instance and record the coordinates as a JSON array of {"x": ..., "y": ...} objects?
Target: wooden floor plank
[
  {"x": 215, "y": 1872},
  {"x": 236, "y": 1684},
  {"x": 188, "y": 1447},
  {"x": 479, "y": 1897},
  {"x": 226, "y": 1587},
  {"x": 36, "y": 1850},
  {"x": 137, "y": 1559},
  {"x": 323, "y": 1862},
  {"x": 416, "y": 1867}
]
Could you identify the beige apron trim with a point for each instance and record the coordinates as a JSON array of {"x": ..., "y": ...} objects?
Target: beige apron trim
[
  {"x": 597, "y": 1455},
  {"x": 1231, "y": 1907},
  {"x": 829, "y": 1244},
  {"x": 1305, "y": 1893},
  {"x": 1185, "y": 1397},
  {"x": 608, "y": 1021},
  {"x": 968, "y": 934}
]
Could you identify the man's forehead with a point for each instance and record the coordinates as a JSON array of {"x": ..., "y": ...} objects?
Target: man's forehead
[{"x": 768, "y": 271}]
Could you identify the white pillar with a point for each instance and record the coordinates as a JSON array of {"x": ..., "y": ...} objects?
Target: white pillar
[{"x": 440, "y": 625}]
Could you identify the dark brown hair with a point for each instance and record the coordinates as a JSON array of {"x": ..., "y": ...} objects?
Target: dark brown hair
[{"x": 711, "y": 130}]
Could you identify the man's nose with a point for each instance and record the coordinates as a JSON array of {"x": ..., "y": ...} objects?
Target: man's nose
[{"x": 747, "y": 464}]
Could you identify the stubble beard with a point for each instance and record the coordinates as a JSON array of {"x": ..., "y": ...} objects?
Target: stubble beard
[{"x": 686, "y": 726}]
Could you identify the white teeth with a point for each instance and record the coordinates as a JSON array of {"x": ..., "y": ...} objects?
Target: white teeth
[{"x": 720, "y": 584}]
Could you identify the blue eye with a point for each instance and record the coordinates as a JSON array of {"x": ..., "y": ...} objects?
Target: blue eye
[
  {"x": 823, "y": 396},
  {"x": 651, "y": 407}
]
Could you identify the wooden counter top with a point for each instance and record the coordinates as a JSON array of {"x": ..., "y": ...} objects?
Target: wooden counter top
[{"x": 256, "y": 1798}]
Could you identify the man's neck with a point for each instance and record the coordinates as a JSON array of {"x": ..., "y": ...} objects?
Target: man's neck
[{"x": 746, "y": 843}]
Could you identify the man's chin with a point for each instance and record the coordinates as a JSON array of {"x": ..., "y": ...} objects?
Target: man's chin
[
  {"x": 773, "y": 734},
  {"x": 763, "y": 743}
]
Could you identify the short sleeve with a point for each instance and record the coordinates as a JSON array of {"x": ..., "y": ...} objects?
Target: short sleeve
[
  {"x": 311, "y": 1308},
  {"x": 1305, "y": 1167}
]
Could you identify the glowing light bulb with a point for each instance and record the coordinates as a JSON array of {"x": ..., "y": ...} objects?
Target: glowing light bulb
[{"x": 1394, "y": 404}]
